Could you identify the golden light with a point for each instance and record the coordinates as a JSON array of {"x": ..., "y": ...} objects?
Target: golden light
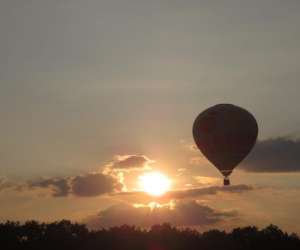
[
  {"x": 154, "y": 183},
  {"x": 155, "y": 205}
]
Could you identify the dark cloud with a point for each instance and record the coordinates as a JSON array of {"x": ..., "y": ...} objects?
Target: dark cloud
[
  {"x": 92, "y": 184},
  {"x": 274, "y": 155},
  {"x": 59, "y": 187},
  {"x": 196, "y": 192},
  {"x": 183, "y": 213},
  {"x": 131, "y": 162}
]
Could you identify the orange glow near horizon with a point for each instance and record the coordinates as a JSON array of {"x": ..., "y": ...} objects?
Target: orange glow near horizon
[{"x": 154, "y": 183}]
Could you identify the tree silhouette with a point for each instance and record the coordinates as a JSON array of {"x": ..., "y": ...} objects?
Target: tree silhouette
[{"x": 60, "y": 235}]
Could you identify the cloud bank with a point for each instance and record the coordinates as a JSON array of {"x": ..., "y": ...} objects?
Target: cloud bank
[
  {"x": 110, "y": 180},
  {"x": 183, "y": 213},
  {"x": 274, "y": 156},
  {"x": 92, "y": 184},
  {"x": 58, "y": 187},
  {"x": 186, "y": 193}
]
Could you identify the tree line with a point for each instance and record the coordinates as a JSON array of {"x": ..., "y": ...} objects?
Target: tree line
[{"x": 65, "y": 235}]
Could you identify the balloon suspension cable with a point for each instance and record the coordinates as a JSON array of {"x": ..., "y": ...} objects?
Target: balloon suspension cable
[{"x": 226, "y": 181}]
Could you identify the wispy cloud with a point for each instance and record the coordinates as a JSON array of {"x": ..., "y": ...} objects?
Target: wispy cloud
[{"x": 5, "y": 183}]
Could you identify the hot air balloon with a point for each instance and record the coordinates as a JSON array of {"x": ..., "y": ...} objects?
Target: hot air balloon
[{"x": 225, "y": 134}]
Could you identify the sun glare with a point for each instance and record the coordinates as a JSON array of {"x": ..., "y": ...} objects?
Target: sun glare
[{"x": 154, "y": 183}]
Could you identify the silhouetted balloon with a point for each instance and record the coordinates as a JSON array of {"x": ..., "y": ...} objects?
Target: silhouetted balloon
[{"x": 225, "y": 134}]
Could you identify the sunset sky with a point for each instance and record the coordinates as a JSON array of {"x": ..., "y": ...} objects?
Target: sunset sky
[{"x": 97, "y": 94}]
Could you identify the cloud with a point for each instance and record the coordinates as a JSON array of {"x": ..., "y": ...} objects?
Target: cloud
[
  {"x": 59, "y": 187},
  {"x": 274, "y": 155},
  {"x": 187, "y": 193},
  {"x": 130, "y": 162},
  {"x": 207, "y": 181},
  {"x": 198, "y": 160},
  {"x": 4, "y": 183},
  {"x": 92, "y": 184},
  {"x": 110, "y": 180},
  {"x": 182, "y": 213},
  {"x": 213, "y": 190}
]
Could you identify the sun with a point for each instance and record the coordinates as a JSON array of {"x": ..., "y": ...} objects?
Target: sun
[{"x": 154, "y": 183}]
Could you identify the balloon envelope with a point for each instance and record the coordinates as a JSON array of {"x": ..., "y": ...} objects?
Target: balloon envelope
[{"x": 225, "y": 134}]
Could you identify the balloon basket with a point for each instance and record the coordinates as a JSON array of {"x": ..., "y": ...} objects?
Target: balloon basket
[{"x": 226, "y": 181}]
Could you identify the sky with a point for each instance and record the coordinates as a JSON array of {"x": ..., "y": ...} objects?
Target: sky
[{"x": 94, "y": 94}]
